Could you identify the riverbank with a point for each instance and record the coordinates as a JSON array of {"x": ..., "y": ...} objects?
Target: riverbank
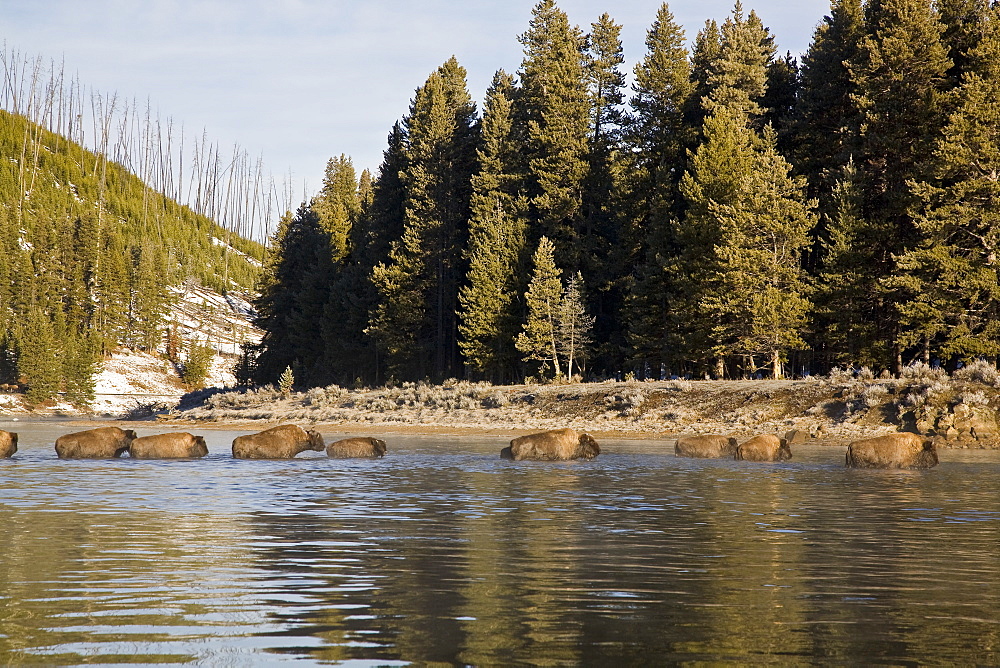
[{"x": 958, "y": 411}]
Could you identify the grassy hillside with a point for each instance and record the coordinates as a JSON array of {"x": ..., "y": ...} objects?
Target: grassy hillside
[
  {"x": 44, "y": 175},
  {"x": 89, "y": 252}
]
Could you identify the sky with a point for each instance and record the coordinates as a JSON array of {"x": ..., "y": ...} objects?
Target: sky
[{"x": 300, "y": 81}]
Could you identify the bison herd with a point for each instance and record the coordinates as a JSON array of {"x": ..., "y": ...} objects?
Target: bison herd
[{"x": 895, "y": 451}]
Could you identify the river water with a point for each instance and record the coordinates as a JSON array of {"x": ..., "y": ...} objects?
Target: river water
[{"x": 442, "y": 552}]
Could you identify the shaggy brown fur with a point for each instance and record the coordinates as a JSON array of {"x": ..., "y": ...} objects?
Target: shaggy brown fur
[
  {"x": 98, "y": 443},
  {"x": 554, "y": 445},
  {"x": 281, "y": 442},
  {"x": 708, "y": 447},
  {"x": 168, "y": 446},
  {"x": 892, "y": 451},
  {"x": 356, "y": 447},
  {"x": 764, "y": 448},
  {"x": 8, "y": 443}
]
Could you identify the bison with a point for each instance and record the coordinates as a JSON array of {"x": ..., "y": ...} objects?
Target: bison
[
  {"x": 8, "y": 443},
  {"x": 100, "y": 443},
  {"x": 281, "y": 442},
  {"x": 554, "y": 445},
  {"x": 356, "y": 447},
  {"x": 168, "y": 446},
  {"x": 764, "y": 448},
  {"x": 707, "y": 447},
  {"x": 892, "y": 451}
]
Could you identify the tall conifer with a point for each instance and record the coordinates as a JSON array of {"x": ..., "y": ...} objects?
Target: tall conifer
[
  {"x": 900, "y": 75},
  {"x": 416, "y": 321},
  {"x": 658, "y": 136},
  {"x": 553, "y": 107},
  {"x": 540, "y": 339},
  {"x": 951, "y": 276},
  {"x": 491, "y": 301}
]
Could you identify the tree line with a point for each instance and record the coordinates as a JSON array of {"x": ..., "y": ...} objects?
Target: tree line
[{"x": 736, "y": 212}]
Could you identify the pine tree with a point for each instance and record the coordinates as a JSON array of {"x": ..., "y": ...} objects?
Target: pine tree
[
  {"x": 297, "y": 245},
  {"x": 826, "y": 122},
  {"x": 705, "y": 53},
  {"x": 658, "y": 136},
  {"x": 80, "y": 365},
  {"x": 826, "y": 119},
  {"x": 197, "y": 364},
  {"x": 553, "y": 107},
  {"x": 738, "y": 75},
  {"x": 780, "y": 98},
  {"x": 951, "y": 275},
  {"x": 900, "y": 75},
  {"x": 416, "y": 321},
  {"x": 149, "y": 301},
  {"x": 39, "y": 356},
  {"x": 338, "y": 205},
  {"x": 490, "y": 301},
  {"x": 352, "y": 352},
  {"x": 845, "y": 315},
  {"x": 757, "y": 295},
  {"x": 603, "y": 204},
  {"x": 540, "y": 339},
  {"x": 746, "y": 227}
]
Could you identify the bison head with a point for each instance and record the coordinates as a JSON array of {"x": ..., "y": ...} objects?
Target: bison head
[
  {"x": 315, "y": 440},
  {"x": 378, "y": 447},
  {"x": 784, "y": 451},
  {"x": 588, "y": 447},
  {"x": 927, "y": 458}
]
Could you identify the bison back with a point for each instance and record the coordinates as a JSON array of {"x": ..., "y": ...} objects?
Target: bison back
[
  {"x": 169, "y": 446},
  {"x": 764, "y": 448},
  {"x": 100, "y": 443},
  {"x": 892, "y": 451},
  {"x": 708, "y": 447},
  {"x": 553, "y": 445},
  {"x": 357, "y": 448}
]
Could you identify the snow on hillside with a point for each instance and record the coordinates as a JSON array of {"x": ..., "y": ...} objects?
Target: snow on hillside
[{"x": 131, "y": 379}]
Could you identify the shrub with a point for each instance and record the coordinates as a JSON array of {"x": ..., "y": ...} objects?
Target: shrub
[
  {"x": 975, "y": 398},
  {"x": 979, "y": 371},
  {"x": 873, "y": 395},
  {"x": 923, "y": 373},
  {"x": 497, "y": 399}
]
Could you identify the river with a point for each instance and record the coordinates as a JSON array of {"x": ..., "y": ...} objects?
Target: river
[{"x": 442, "y": 552}]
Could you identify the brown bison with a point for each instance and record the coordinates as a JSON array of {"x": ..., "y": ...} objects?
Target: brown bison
[
  {"x": 168, "y": 446},
  {"x": 100, "y": 443},
  {"x": 8, "y": 443},
  {"x": 554, "y": 445},
  {"x": 892, "y": 451},
  {"x": 764, "y": 448},
  {"x": 711, "y": 446},
  {"x": 356, "y": 447},
  {"x": 281, "y": 442}
]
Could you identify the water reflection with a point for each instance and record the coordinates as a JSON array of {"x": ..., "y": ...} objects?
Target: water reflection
[{"x": 444, "y": 553}]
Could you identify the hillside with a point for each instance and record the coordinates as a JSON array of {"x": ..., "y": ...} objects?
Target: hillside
[
  {"x": 47, "y": 177},
  {"x": 95, "y": 261},
  {"x": 131, "y": 381}
]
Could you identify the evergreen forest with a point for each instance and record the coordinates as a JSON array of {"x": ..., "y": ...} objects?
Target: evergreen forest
[{"x": 733, "y": 212}]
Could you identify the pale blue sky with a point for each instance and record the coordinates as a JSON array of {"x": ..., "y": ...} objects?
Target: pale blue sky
[{"x": 299, "y": 81}]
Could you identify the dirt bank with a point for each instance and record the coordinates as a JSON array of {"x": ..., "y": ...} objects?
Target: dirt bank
[{"x": 958, "y": 412}]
